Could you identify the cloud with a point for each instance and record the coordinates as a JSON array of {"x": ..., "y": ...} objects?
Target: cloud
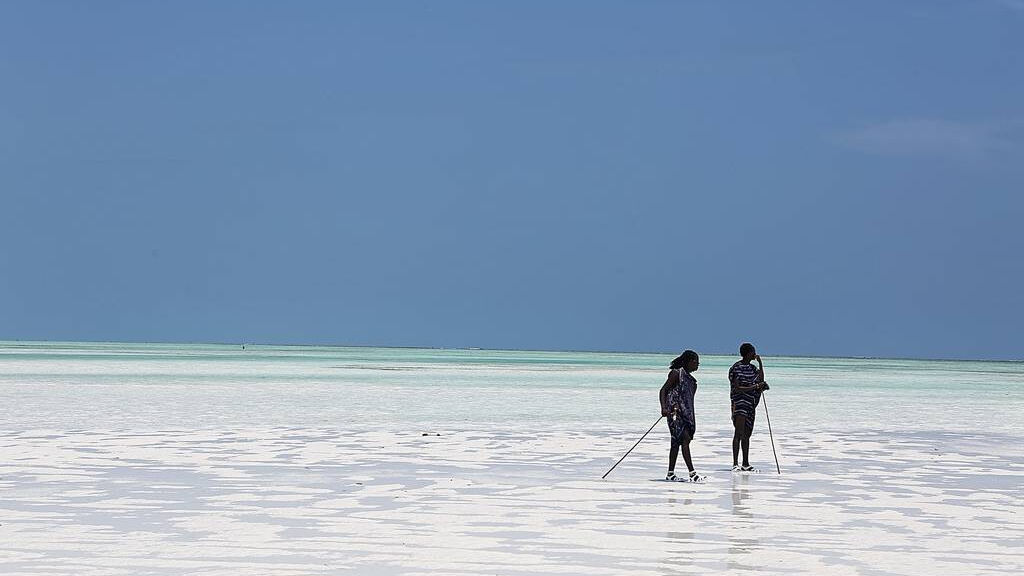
[{"x": 931, "y": 137}]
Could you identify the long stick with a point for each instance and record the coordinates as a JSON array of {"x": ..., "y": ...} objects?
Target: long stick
[
  {"x": 634, "y": 446},
  {"x": 770, "y": 434}
]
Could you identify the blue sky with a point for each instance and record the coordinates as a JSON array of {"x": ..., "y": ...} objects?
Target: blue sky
[{"x": 819, "y": 178}]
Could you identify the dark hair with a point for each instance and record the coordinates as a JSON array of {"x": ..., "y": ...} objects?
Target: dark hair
[
  {"x": 683, "y": 359},
  {"x": 746, "y": 348}
]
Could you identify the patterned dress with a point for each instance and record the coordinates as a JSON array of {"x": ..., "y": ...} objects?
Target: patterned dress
[
  {"x": 681, "y": 420},
  {"x": 744, "y": 402}
]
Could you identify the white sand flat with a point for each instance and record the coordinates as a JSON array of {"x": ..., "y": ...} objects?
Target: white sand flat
[
  {"x": 273, "y": 501},
  {"x": 172, "y": 459}
]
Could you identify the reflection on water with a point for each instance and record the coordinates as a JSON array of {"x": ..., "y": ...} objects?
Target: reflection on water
[
  {"x": 743, "y": 539},
  {"x": 679, "y": 552},
  {"x": 741, "y": 492}
]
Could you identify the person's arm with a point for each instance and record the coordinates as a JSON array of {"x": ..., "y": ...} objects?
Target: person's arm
[
  {"x": 672, "y": 380},
  {"x": 759, "y": 380}
]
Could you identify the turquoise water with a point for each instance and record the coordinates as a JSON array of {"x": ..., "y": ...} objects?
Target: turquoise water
[
  {"x": 155, "y": 386},
  {"x": 153, "y": 458}
]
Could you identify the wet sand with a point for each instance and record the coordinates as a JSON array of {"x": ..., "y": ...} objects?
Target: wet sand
[{"x": 294, "y": 500}]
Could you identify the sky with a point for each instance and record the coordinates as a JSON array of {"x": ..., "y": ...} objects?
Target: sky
[{"x": 838, "y": 179}]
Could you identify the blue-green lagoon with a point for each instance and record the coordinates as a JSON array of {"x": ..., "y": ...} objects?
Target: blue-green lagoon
[{"x": 214, "y": 459}]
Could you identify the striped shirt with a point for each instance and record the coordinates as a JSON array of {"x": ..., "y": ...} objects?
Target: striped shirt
[{"x": 743, "y": 375}]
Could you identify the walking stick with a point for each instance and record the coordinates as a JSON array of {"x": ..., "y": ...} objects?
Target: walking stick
[
  {"x": 634, "y": 446},
  {"x": 770, "y": 434}
]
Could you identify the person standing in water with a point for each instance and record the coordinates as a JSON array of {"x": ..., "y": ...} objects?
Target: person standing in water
[
  {"x": 677, "y": 404},
  {"x": 745, "y": 386}
]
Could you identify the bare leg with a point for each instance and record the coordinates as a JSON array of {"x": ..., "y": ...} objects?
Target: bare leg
[
  {"x": 686, "y": 455},
  {"x": 745, "y": 442},
  {"x": 739, "y": 424},
  {"x": 673, "y": 453}
]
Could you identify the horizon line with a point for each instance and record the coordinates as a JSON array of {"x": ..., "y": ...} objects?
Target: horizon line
[{"x": 483, "y": 349}]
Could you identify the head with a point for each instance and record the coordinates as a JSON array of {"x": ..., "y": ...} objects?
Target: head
[
  {"x": 747, "y": 351},
  {"x": 688, "y": 360}
]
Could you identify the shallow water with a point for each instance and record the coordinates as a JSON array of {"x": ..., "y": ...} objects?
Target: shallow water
[
  {"x": 172, "y": 459},
  {"x": 147, "y": 386}
]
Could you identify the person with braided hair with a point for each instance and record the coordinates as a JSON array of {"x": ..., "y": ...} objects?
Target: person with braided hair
[{"x": 677, "y": 396}]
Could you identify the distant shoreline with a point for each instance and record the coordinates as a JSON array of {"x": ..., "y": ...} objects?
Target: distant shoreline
[{"x": 484, "y": 349}]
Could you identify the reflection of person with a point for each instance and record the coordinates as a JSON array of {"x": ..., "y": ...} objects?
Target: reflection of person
[
  {"x": 677, "y": 403},
  {"x": 746, "y": 384}
]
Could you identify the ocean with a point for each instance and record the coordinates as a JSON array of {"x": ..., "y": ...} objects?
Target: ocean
[
  {"x": 152, "y": 386},
  {"x": 293, "y": 460}
]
